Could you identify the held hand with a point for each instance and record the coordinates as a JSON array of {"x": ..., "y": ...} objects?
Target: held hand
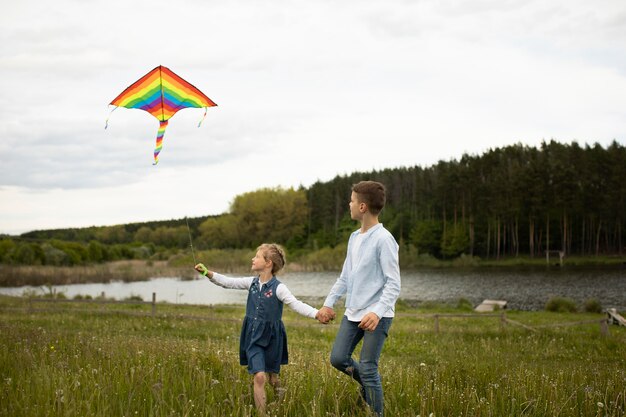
[
  {"x": 369, "y": 322},
  {"x": 322, "y": 317},
  {"x": 325, "y": 315},
  {"x": 202, "y": 269}
]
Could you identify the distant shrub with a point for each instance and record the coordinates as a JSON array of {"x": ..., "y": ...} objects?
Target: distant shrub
[
  {"x": 464, "y": 304},
  {"x": 466, "y": 260},
  {"x": 82, "y": 297},
  {"x": 561, "y": 305},
  {"x": 593, "y": 305}
]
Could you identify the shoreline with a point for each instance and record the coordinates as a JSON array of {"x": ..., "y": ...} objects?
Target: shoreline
[{"x": 143, "y": 270}]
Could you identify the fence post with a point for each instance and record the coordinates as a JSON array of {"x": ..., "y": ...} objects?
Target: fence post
[
  {"x": 102, "y": 298},
  {"x": 604, "y": 328},
  {"x": 153, "y": 304},
  {"x": 502, "y": 321},
  {"x": 436, "y": 316}
]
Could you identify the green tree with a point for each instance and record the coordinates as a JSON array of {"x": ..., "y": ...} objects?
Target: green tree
[
  {"x": 28, "y": 254},
  {"x": 454, "y": 242},
  {"x": 143, "y": 234},
  {"x": 220, "y": 232},
  {"x": 96, "y": 251},
  {"x": 113, "y": 234},
  {"x": 55, "y": 256},
  {"x": 426, "y": 235},
  {"x": 270, "y": 214},
  {"x": 7, "y": 246}
]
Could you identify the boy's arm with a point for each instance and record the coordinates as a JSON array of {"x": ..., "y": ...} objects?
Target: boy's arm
[
  {"x": 338, "y": 289},
  {"x": 336, "y": 292},
  {"x": 284, "y": 295},
  {"x": 391, "y": 270}
]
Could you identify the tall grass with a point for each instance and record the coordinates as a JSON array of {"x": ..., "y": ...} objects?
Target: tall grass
[
  {"x": 77, "y": 362},
  {"x": 128, "y": 271}
]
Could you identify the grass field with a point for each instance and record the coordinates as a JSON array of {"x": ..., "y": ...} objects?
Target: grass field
[{"x": 78, "y": 359}]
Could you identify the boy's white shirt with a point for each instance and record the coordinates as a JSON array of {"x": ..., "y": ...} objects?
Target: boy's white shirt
[
  {"x": 282, "y": 293},
  {"x": 354, "y": 314},
  {"x": 377, "y": 271}
]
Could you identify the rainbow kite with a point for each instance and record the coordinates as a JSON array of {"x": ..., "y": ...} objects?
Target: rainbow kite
[{"x": 161, "y": 93}]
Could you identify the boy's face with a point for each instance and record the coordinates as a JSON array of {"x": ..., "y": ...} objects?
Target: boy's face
[{"x": 357, "y": 209}]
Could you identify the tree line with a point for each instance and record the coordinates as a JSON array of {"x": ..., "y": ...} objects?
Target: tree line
[{"x": 510, "y": 201}]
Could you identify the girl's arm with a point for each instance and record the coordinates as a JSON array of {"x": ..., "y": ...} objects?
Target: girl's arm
[
  {"x": 223, "y": 281},
  {"x": 226, "y": 282},
  {"x": 284, "y": 295}
]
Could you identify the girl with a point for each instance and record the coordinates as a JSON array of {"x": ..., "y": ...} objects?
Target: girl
[{"x": 263, "y": 341}]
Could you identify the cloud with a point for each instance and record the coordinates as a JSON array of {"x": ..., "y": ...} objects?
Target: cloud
[{"x": 305, "y": 91}]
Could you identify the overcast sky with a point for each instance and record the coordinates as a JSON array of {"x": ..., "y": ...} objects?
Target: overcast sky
[{"x": 306, "y": 90}]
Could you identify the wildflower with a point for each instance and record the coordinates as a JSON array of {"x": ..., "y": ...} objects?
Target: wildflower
[{"x": 600, "y": 405}]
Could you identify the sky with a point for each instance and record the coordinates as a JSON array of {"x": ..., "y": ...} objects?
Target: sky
[{"x": 306, "y": 91}]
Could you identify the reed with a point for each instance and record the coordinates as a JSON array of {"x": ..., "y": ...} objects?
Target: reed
[{"x": 81, "y": 361}]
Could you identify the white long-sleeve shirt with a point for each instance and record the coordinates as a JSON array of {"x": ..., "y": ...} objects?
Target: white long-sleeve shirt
[
  {"x": 282, "y": 293},
  {"x": 370, "y": 277}
]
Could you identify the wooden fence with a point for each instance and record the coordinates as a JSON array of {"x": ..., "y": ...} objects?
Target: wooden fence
[
  {"x": 503, "y": 320},
  {"x": 101, "y": 301}
]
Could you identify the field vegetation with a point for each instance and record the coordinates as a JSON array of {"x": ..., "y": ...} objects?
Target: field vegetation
[{"x": 77, "y": 359}]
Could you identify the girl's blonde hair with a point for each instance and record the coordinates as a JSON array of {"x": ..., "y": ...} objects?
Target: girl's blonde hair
[{"x": 275, "y": 253}]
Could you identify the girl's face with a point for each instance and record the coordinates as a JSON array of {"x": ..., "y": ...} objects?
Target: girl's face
[
  {"x": 356, "y": 207},
  {"x": 259, "y": 263}
]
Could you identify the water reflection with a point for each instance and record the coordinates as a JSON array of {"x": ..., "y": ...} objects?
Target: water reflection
[{"x": 523, "y": 289}]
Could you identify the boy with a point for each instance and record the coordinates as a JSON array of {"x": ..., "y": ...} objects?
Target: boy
[{"x": 370, "y": 278}]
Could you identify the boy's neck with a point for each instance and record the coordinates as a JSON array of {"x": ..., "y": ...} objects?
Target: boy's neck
[{"x": 368, "y": 222}]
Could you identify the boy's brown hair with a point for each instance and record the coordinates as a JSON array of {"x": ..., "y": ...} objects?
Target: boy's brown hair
[{"x": 371, "y": 193}]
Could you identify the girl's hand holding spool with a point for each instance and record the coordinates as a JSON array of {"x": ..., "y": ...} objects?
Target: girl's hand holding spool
[{"x": 202, "y": 269}]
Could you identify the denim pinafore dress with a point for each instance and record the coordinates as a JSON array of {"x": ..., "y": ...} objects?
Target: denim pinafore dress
[{"x": 263, "y": 341}]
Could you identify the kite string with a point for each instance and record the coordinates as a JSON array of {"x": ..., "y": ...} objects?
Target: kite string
[{"x": 193, "y": 253}]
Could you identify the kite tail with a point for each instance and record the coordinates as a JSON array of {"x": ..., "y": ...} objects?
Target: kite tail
[
  {"x": 203, "y": 117},
  {"x": 159, "y": 141},
  {"x": 106, "y": 124}
]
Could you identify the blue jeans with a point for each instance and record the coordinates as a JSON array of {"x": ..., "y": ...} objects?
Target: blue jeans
[{"x": 365, "y": 372}]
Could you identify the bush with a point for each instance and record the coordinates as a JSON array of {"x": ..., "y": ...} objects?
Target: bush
[
  {"x": 593, "y": 305},
  {"x": 561, "y": 305},
  {"x": 464, "y": 304}
]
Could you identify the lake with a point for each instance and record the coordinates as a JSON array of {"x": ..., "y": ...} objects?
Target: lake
[{"x": 523, "y": 289}]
